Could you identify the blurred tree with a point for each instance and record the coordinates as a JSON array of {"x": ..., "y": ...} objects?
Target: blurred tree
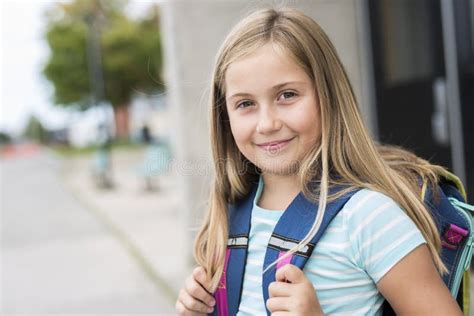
[
  {"x": 5, "y": 138},
  {"x": 130, "y": 55},
  {"x": 34, "y": 130}
]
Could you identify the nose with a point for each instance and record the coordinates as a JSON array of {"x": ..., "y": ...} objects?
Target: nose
[{"x": 268, "y": 120}]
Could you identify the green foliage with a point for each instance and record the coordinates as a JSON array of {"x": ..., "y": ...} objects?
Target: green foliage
[
  {"x": 5, "y": 138},
  {"x": 116, "y": 146},
  {"x": 124, "y": 44},
  {"x": 67, "y": 66},
  {"x": 34, "y": 130},
  {"x": 131, "y": 52}
]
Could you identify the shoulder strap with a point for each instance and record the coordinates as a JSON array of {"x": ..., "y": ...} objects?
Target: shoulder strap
[
  {"x": 292, "y": 227},
  {"x": 230, "y": 288}
]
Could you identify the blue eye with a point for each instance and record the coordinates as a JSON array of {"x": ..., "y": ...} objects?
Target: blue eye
[
  {"x": 287, "y": 95},
  {"x": 244, "y": 104}
]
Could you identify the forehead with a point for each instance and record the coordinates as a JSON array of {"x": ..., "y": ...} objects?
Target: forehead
[{"x": 266, "y": 67}]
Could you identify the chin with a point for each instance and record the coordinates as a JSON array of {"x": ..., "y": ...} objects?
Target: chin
[{"x": 282, "y": 168}]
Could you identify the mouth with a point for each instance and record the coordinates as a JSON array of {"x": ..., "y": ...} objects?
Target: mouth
[{"x": 275, "y": 146}]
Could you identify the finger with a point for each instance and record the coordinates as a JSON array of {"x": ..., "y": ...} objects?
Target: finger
[
  {"x": 281, "y": 314},
  {"x": 200, "y": 275},
  {"x": 195, "y": 289},
  {"x": 290, "y": 273},
  {"x": 193, "y": 304},
  {"x": 183, "y": 311},
  {"x": 279, "y": 304},
  {"x": 179, "y": 307},
  {"x": 280, "y": 289}
]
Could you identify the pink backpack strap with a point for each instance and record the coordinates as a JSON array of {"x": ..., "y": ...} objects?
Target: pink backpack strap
[{"x": 221, "y": 292}]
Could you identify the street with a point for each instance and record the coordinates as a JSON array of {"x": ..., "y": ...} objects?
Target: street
[{"x": 57, "y": 257}]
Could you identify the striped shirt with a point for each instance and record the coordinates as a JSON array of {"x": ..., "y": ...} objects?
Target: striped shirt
[{"x": 362, "y": 243}]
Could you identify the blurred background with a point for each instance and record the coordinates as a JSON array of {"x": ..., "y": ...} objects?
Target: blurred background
[{"x": 104, "y": 151}]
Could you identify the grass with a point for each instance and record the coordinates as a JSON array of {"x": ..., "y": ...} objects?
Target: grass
[{"x": 69, "y": 151}]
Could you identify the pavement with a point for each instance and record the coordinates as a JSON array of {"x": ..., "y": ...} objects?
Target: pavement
[
  {"x": 146, "y": 222},
  {"x": 71, "y": 248}
]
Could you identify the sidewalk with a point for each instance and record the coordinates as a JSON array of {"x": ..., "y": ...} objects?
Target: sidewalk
[
  {"x": 146, "y": 223},
  {"x": 61, "y": 256}
]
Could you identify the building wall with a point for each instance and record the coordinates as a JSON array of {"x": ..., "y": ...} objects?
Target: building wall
[{"x": 192, "y": 33}]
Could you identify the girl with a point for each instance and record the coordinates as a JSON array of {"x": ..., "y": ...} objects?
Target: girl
[{"x": 284, "y": 119}]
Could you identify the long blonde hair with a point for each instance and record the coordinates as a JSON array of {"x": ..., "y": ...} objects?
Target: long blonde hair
[{"x": 345, "y": 150}]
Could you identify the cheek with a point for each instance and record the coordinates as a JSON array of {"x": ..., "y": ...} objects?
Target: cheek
[
  {"x": 307, "y": 121},
  {"x": 314, "y": 126},
  {"x": 241, "y": 131}
]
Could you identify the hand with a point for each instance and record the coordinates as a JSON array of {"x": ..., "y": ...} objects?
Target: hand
[
  {"x": 195, "y": 297},
  {"x": 292, "y": 294}
]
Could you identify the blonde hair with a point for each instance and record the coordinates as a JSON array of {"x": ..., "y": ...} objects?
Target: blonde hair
[{"x": 346, "y": 153}]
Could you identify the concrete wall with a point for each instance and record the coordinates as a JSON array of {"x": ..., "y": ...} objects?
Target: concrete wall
[{"x": 193, "y": 31}]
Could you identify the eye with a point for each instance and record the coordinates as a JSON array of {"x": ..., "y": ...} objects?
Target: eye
[
  {"x": 287, "y": 95},
  {"x": 244, "y": 104}
]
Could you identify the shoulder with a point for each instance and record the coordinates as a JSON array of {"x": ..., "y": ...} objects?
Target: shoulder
[
  {"x": 366, "y": 202},
  {"x": 379, "y": 231},
  {"x": 369, "y": 211},
  {"x": 368, "y": 197}
]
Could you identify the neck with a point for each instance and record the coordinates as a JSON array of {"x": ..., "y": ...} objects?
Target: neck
[
  {"x": 279, "y": 191},
  {"x": 278, "y": 184}
]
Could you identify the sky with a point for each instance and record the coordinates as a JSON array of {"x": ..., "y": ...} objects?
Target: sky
[{"x": 23, "y": 53}]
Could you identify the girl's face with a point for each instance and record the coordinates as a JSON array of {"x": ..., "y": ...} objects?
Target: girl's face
[{"x": 273, "y": 111}]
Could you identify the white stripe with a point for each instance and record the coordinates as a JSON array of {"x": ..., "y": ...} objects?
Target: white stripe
[
  {"x": 330, "y": 245},
  {"x": 252, "y": 294},
  {"x": 359, "y": 204},
  {"x": 380, "y": 233},
  {"x": 320, "y": 256},
  {"x": 250, "y": 311},
  {"x": 254, "y": 262},
  {"x": 341, "y": 285},
  {"x": 333, "y": 230},
  {"x": 264, "y": 221},
  {"x": 390, "y": 248},
  {"x": 262, "y": 235},
  {"x": 253, "y": 278},
  {"x": 329, "y": 273},
  {"x": 345, "y": 298},
  {"x": 360, "y": 311},
  {"x": 256, "y": 247},
  {"x": 370, "y": 218}
]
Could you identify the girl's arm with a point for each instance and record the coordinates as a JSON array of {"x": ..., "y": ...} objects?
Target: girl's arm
[{"x": 414, "y": 287}]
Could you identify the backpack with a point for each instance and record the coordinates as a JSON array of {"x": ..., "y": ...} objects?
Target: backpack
[{"x": 447, "y": 204}]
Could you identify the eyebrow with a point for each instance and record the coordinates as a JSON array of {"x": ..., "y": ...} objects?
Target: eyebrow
[{"x": 277, "y": 87}]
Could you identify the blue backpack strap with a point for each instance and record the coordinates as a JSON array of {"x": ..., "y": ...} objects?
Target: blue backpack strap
[
  {"x": 229, "y": 293},
  {"x": 292, "y": 227}
]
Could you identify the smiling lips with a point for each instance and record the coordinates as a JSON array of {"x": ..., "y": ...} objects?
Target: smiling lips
[{"x": 275, "y": 145}]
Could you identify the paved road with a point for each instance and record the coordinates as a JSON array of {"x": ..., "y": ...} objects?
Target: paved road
[{"x": 56, "y": 256}]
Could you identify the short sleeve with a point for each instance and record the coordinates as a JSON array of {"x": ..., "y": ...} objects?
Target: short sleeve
[{"x": 380, "y": 232}]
